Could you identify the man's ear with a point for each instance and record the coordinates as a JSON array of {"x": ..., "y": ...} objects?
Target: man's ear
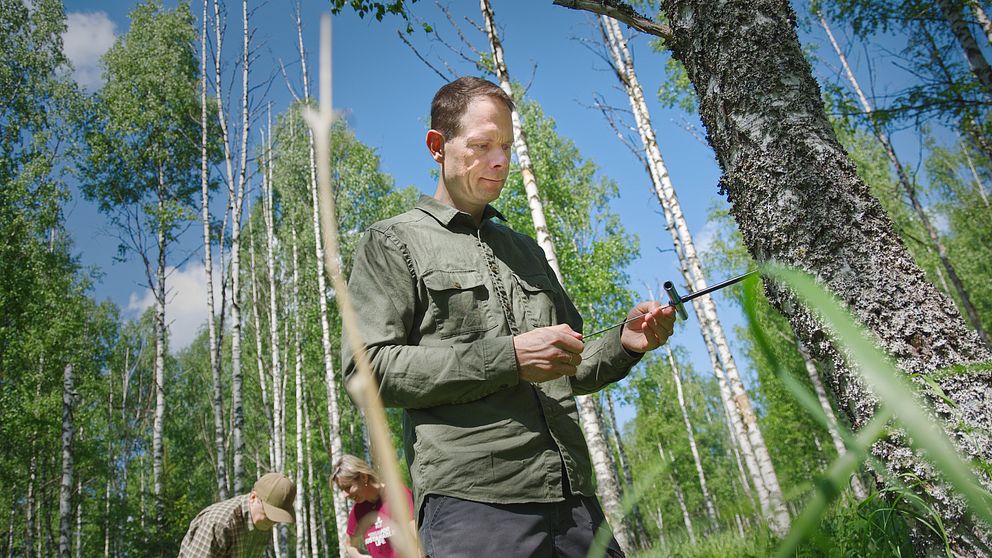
[{"x": 435, "y": 144}]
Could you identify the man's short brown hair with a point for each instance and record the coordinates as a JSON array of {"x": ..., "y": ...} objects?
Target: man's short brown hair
[{"x": 451, "y": 101}]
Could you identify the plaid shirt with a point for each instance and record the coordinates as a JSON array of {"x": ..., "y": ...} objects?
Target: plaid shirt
[{"x": 224, "y": 530}]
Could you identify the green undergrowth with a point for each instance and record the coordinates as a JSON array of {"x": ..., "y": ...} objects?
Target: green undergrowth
[{"x": 873, "y": 528}]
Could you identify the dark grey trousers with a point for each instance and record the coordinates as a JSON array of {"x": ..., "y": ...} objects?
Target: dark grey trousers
[{"x": 452, "y": 528}]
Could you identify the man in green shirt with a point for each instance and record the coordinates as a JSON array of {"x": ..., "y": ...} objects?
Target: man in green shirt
[
  {"x": 241, "y": 527},
  {"x": 469, "y": 331}
]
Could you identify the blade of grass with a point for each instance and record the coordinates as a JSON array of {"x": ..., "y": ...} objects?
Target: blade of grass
[{"x": 891, "y": 386}]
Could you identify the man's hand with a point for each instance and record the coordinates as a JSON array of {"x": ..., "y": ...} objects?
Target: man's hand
[
  {"x": 650, "y": 331},
  {"x": 547, "y": 353}
]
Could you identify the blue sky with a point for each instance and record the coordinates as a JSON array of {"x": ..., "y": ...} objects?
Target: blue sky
[{"x": 384, "y": 92}]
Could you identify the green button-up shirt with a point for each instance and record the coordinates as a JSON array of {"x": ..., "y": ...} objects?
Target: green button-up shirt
[{"x": 435, "y": 296}]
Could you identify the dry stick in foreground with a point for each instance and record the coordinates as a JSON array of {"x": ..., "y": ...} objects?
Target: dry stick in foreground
[{"x": 363, "y": 387}]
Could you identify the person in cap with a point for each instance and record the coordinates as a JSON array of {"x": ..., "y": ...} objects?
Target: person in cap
[
  {"x": 469, "y": 331},
  {"x": 241, "y": 527},
  {"x": 369, "y": 522}
]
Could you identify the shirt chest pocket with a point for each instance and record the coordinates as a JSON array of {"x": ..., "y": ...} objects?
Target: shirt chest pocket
[
  {"x": 459, "y": 301},
  {"x": 536, "y": 299}
]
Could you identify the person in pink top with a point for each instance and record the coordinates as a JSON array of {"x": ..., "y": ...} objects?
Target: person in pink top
[{"x": 369, "y": 523}]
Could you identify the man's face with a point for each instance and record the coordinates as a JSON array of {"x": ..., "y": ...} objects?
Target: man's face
[
  {"x": 477, "y": 159},
  {"x": 258, "y": 517}
]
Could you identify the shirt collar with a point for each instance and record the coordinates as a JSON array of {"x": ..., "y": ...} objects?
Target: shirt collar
[
  {"x": 445, "y": 214},
  {"x": 246, "y": 513}
]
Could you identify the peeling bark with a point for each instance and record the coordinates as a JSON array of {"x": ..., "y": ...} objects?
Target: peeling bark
[{"x": 954, "y": 13}]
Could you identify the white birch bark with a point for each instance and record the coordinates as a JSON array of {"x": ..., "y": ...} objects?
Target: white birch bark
[
  {"x": 29, "y": 505},
  {"x": 606, "y": 482},
  {"x": 763, "y": 472},
  {"x": 628, "y": 477},
  {"x": 263, "y": 377},
  {"x": 65, "y": 487},
  {"x": 953, "y": 12},
  {"x": 237, "y": 408},
  {"x": 707, "y": 498},
  {"x": 982, "y": 18},
  {"x": 313, "y": 535},
  {"x": 821, "y": 395},
  {"x": 686, "y": 517},
  {"x": 330, "y": 379},
  {"x": 217, "y": 401},
  {"x": 910, "y": 188},
  {"x": 270, "y": 263},
  {"x": 78, "y": 544},
  {"x": 979, "y": 186},
  {"x": 299, "y": 504},
  {"x": 158, "y": 451}
]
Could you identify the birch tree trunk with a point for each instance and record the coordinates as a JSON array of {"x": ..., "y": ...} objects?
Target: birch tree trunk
[
  {"x": 798, "y": 200},
  {"x": 268, "y": 212},
  {"x": 217, "y": 399},
  {"x": 79, "y": 516},
  {"x": 821, "y": 395},
  {"x": 237, "y": 406},
  {"x": 910, "y": 189},
  {"x": 981, "y": 17},
  {"x": 330, "y": 379},
  {"x": 686, "y": 517},
  {"x": 314, "y": 536},
  {"x": 707, "y": 499},
  {"x": 953, "y": 12},
  {"x": 299, "y": 504},
  {"x": 160, "y": 333},
  {"x": 628, "y": 477},
  {"x": 263, "y": 380},
  {"x": 606, "y": 482},
  {"x": 735, "y": 396},
  {"x": 65, "y": 487},
  {"x": 29, "y": 505}
]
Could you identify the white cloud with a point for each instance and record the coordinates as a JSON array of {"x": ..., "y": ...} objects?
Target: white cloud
[
  {"x": 704, "y": 238},
  {"x": 87, "y": 37},
  {"x": 186, "y": 303}
]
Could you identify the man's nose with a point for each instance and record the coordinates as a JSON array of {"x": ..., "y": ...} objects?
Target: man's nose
[{"x": 500, "y": 159}]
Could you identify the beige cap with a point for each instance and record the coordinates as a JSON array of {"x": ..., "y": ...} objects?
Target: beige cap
[{"x": 277, "y": 493}]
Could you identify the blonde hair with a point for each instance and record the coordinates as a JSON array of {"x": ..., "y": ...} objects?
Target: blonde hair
[{"x": 349, "y": 468}]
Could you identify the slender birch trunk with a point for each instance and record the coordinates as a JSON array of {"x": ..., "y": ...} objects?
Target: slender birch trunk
[
  {"x": 158, "y": 450},
  {"x": 217, "y": 393},
  {"x": 65, "y": 487},
  {"x": 299, "y": 504},
  {"x": 979, "y": 187},
  {"x": 237, "y": 406},
  {"x": 821, "y": 395},
  {"x": 707, "y": 498},
  {"x": 953, "y": 12},
  {"x": 686, "y": 517},
  {"x": 983, "y": 18},
  {"x": 330, "y": 379},
  {"x": 110, "y": 461},
  {"x": 79, "y": 517},
  {"x": 628, "y": 477},
  {"x": 763, "y": 472},
  {"x": 606, "y": 482},
  {"x": 314, "y": 492},
  {"x": 263, "y": 380},
  {"x": 29, "y": 506},
  {"x": 910, "y": 189},
  {"x": 270, "y": 263}
]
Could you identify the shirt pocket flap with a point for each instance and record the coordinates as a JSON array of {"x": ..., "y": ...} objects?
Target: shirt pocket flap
[
  {"x": 443, "y": 280},
  {"x": 535, "y": 283}
]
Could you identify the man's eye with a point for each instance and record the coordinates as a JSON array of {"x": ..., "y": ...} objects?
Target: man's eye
[{"x": 482, "y": 146}]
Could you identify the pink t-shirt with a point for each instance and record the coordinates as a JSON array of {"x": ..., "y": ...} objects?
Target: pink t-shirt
[{"x": 377, "y": 536}]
